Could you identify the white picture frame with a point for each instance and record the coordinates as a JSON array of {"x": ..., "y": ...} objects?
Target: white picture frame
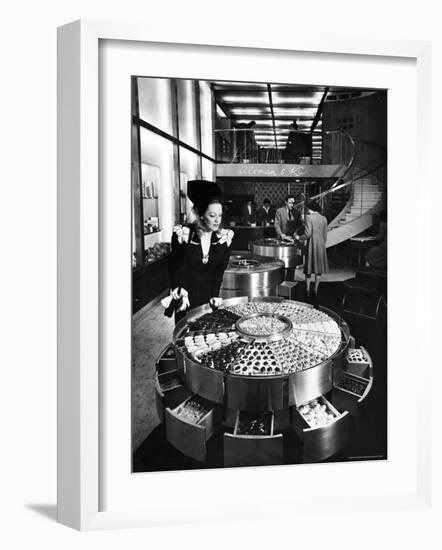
[{"x": 82, "y": 299}]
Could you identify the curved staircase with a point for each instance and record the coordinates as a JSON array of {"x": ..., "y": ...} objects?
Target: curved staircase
[{"x": 366, "y": 199}]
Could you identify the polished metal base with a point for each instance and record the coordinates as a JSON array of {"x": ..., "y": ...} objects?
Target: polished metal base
[
  {"x": 252, "y": 276},
  {"x": 274, "y": 248}
]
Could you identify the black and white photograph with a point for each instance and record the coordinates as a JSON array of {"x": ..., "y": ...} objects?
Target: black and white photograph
[{"x": 259, "y": 274}]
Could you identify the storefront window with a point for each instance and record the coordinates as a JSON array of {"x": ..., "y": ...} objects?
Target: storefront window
[
  {"x": 155, "y": 103},
  {"x": 187, "y": 113}
]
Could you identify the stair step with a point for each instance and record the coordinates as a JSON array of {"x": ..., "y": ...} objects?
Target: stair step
[
  {"x": 359, "y": 211},
  {"x": 367, "y": 194}
]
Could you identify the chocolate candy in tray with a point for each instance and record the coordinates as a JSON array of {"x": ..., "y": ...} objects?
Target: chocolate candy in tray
[
  {"x": 317, "y": 413},
  {"x": 193, "y": 410},
  {"x": 254, "y": 424},
  {"x": 199, "y": 345},
  {"x": 357, "y": 355},
  {"x": 321, "y": 343},
  {"x": 221, "y": 319},
  {"x": 256, "y": 359},
  {"x": 223, "y": 358},
  {"x": 352, "y": 385}
]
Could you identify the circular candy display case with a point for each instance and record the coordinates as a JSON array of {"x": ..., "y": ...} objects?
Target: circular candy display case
[
  {"x": 289, "y": 253},
  {"x": 251, "y": 275},
  {"x": 257, "y": 371}
]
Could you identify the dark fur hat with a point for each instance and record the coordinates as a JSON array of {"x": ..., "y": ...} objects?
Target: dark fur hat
[{"x": 202, "y": 193}]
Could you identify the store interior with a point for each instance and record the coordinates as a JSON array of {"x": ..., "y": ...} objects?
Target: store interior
[{"x": 260, "y": 141}]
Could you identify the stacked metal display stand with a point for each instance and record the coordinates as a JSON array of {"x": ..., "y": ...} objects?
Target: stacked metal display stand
[
  {"x": 258, "y": 371},
  {"x": 252, "y": 275},
  {"x": 288, "y": 252}
]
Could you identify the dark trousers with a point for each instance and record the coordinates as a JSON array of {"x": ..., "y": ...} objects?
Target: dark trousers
[{"x": 289, "y": 273}]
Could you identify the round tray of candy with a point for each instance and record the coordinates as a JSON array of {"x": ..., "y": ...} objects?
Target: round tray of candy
[
  {"x": 260, "y": 337},
  {"x": 263, "y": 326}
]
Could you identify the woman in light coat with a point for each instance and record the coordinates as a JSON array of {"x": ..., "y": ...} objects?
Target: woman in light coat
[{"x": 315, "y": 231}]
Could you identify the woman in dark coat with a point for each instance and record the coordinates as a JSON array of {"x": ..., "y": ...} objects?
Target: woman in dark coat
[
  {"x": 200, "y": 251},
  {"x": 316, "y": 256}
]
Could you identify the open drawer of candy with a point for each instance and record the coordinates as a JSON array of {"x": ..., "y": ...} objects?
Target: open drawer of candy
[
  {"x": 254, "y": 423},
  {"x": 169, "y": 391},
  {"x": 322, "y": 428},
  {"x": 169, "y": 381},
  {"x": 167, "y": 361},
  {"x": 253, "y": 442},
  {"x": 191, "y": 424},
  {"x": 349, "y": 391},
  {"x": 358, "y": 362}
]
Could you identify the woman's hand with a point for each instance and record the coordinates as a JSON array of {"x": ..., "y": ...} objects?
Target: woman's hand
[
  {"x": 215, "y": 303},
  {"x": 176, "y": 293},
  {"x": 181, "y": 293}
]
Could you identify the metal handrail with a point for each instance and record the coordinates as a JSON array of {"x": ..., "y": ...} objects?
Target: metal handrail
[{"x": 337, "y": 185}]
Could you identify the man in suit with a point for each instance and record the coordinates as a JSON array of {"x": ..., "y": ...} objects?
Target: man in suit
[
  {"x": 249, "y": 213},
  {"x": 265, "y": 214},
  {"x": 287, "y": 223},
  {"x": 287, "y": 219}
]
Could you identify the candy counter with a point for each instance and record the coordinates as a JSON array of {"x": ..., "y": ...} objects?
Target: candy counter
[
  {"x": 251, "y": 275},
  {"x": 258, "y": 371},
  {"x": 289, "y": 252}
]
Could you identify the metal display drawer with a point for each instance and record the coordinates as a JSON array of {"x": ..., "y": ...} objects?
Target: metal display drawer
[
  {"x": 189, "y": 432},
  {"x": 167, "y": 360},
  {"x": 253, "y": 442},
  {"x": 169, "y": 392},
  {"x": 325, "y": 440},
  {"x": 358, "y": 362},
  {"x": 350, "y": 391},
  {"x": 310, "y": 383},
  {"x": 204, "y": 381},
  {"x": 247, "y": 393}
]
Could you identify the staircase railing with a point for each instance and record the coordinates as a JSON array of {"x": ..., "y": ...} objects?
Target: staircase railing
[
  {"x": 353, "y": 174},
  {"x": 337, "y": 158}
]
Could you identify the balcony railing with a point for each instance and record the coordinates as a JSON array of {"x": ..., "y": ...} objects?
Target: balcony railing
[{"x": 241, "y": 146}]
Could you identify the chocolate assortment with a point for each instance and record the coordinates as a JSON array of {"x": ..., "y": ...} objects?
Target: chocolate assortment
[
  {"x": 262, "y": 324},
  {"x": 262, "y": 338},
  {"x": 356, "y": 355},
  {"x": 192, "y": 410},
  {"x": 254, "y": 424},
  {"x": 220, "y": 319},
  {"x": 352, "y": 385},
  {"x": 223, "y": 358},
  {"x": 256, "y": 359}
]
